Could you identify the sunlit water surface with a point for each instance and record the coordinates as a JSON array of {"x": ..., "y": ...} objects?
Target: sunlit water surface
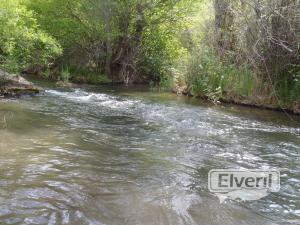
[{"x": 131, "y": 156}]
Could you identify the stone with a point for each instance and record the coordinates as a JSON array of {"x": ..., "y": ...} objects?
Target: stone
[{"x": 12, "y": 85}]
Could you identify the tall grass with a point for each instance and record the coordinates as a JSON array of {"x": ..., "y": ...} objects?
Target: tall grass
[
  {"x": 289, "y": 88},
  {"x": 65, "y": 74},
  {"x": 207, "y": 76},
  {"x": 80, "y": 74}
]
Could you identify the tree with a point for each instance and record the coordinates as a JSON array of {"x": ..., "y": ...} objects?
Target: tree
[
  {"x": 110, "y": 37},
  {"x": 22, "y": 43},
  {"x": 224, "y": 22}
]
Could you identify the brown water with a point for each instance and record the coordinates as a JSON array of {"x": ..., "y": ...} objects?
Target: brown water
[{"x": 131, "y": 156}]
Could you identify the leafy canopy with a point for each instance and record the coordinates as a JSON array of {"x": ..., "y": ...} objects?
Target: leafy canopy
[{"x": 22, "y": 42}]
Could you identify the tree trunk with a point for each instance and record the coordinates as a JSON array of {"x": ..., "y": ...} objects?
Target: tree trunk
[
  {"x": 108, "y": 59},
  {"x": 224, "y": 21},
  {"x": 128, "y": 64}
]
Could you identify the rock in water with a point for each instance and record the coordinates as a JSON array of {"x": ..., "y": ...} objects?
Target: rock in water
[{"x": 15, "y": 85}]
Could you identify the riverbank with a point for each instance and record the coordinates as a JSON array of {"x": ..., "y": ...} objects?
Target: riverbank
[
  {"x": 14, "y": 85},
  {"x": 257, "y": 102}
]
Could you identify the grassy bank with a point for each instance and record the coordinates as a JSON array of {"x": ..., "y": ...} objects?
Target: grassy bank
[{"x": 203, "y": 74}]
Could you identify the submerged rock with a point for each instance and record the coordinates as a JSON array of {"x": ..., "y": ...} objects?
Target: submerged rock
[{"x": 15, "y": 85}]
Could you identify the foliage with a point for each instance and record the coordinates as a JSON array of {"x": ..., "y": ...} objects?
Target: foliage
[
  {"x": 23, "y": 44},
  {"x": 229, "y": 49},
  {"x": 79, "y": 74},
  {"x": 65, "y": 74},
  {"x": 128, "y": 40},
  {"x": 93, "y": 78},
  {"x": 289, "y": 88},
  {"x": 208, "y": 76},
  {"x": 242, "y": 50}
]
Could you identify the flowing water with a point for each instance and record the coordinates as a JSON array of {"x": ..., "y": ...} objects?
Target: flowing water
[{"x": 132, "y": 156}]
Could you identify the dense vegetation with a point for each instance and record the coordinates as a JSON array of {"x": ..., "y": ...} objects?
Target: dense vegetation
[
  {"x": 123, "y": 41},
  {"x": 22, "y": 43},
  {"x": 247, "y": 51},
  {"x": 233, "y": 50}
]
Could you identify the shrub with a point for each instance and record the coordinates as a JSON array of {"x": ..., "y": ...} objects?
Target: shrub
[
  {"x": 65, "y": 74},
  {"x": 22, "y": 43},
  {"x": 207, "y": 75},
  {"x": 95, "y": 78}
]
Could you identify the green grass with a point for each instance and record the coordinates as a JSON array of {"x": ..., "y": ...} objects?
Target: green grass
[
  {"x": 94, "y": 78},
  {"x": 84, "y": 75},
  {"x": 208, "y": 76},
  {"x": 288, "y": 89},
  {"x": 65, "y": 74}
]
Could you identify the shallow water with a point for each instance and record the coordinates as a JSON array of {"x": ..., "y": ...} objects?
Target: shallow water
[{"x": 115, "y": 155}]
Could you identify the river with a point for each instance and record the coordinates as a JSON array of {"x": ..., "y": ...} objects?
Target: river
[{"x": 118, "y": 155}]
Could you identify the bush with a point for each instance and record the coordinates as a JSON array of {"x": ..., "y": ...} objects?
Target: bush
[
  {"x": 65, "y": 74},
  {"x": 289, "y": 88},
  {"x": 22, "y": 43},
  {"x": 79, "y": 74},
  {"x": 206, "y": 75},
  {"x": 95, "y": 78}
]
